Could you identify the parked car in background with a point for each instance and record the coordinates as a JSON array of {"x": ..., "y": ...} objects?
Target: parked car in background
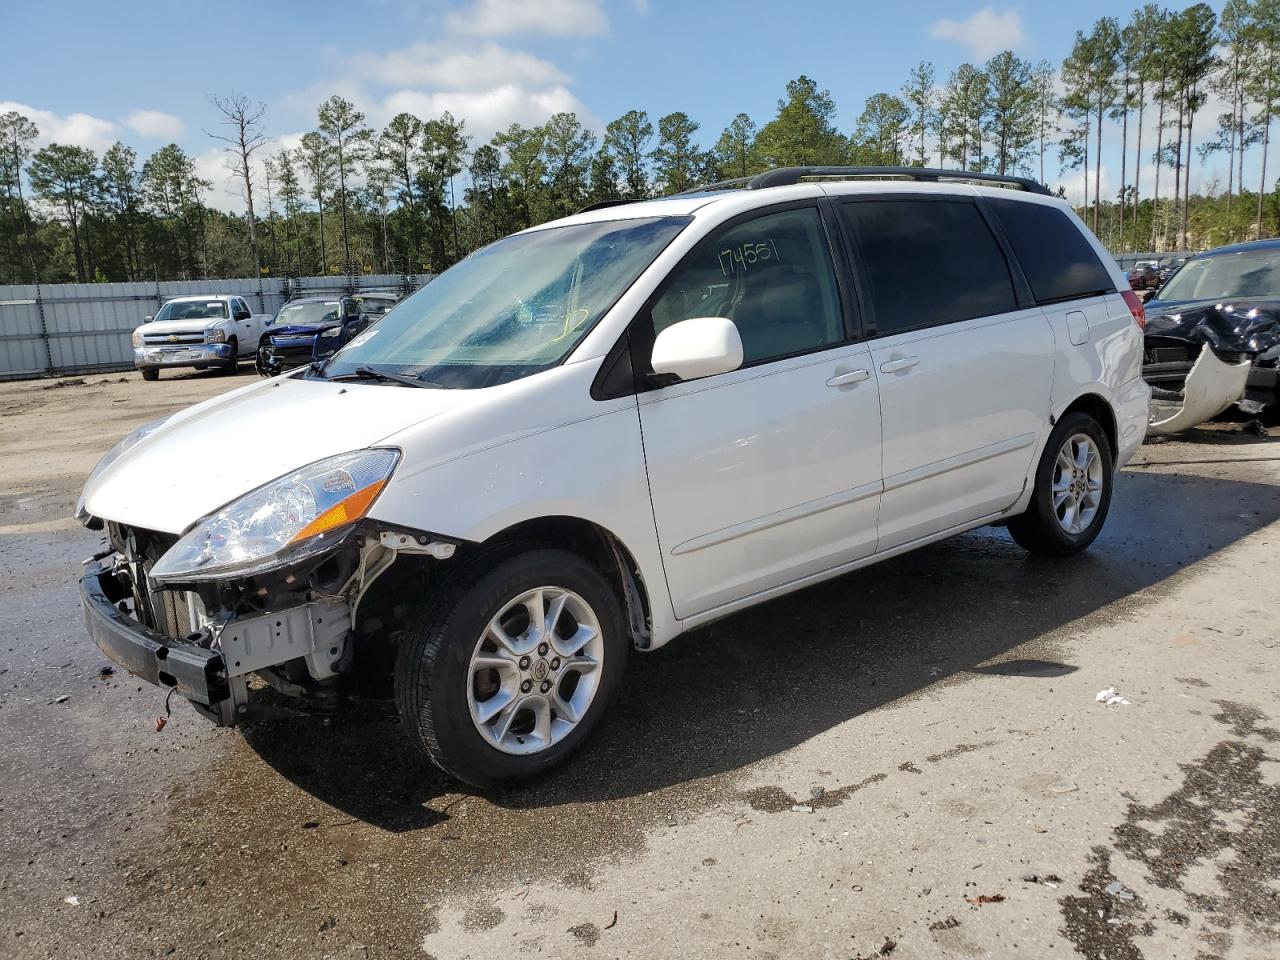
[
  {"x": 1167, "y": 265},
  {"x": 1144, "y": 275},
  {"x": 1213, "y": 336},
  {"x": 201, "y": 331},
  {"x": 312, "y": 328},
  {"x": 607, "y": 430}
]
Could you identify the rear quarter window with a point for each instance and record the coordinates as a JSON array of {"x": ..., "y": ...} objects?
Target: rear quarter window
[{"x": 1057, "y": 259}]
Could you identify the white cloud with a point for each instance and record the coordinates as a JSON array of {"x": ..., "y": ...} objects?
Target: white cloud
[
  {"x": 72, "y": 129},
  {"x": 154, "y": 124},
  {"x": 446, "y": 66},
  {"x": 559, "y": 18},
  {"x": 985, "y": 32},
  {"x": 488, "y": 111}
]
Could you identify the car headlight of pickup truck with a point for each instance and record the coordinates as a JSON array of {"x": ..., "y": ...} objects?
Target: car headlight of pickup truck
[
  {"x": 110, "y": 457},
  {"x": 283, "y": 522},
  {"x": 215, "y": 335},
  {"x": 137, "y": 338}
]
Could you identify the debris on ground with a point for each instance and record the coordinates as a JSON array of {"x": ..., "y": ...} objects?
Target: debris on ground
[
  {"x": 1118, "y": 890},
  {"x": 982, "y": 898},
  {"x": 801, "y": 808},
  {"x": 329, "y": 924},
  {"x": 948, "y": 924},
  {"x": 888, "y": 946},
  {"x": 73, "y": 900},
  {"x": 1111, "y": 697},
  {"x": 612, "y": 923},
  {"x": 817, "y": 792},
  {"x": 160, "y": 722},
  {"x": 63, "y": 383},
  {"x": 1255, "y": 427},
  {"x": 1046, "y": 880},
  {"x": 62, "y": 699},
  {"x": 104, "y": 672}
]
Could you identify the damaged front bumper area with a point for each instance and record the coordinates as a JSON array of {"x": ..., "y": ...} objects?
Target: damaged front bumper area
[
  {"x": 1202, "y": 358},
  {"x": 294, "y": 628},
  {"x": 210, "y": 666},
  {"x": 1185, "y": 394}
]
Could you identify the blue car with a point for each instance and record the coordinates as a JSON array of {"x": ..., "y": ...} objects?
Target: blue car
[{"x": 313, "y": 328}]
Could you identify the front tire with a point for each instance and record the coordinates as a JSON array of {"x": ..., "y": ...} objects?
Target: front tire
[
  {"x": 152, "y": 375},
  {"x": 232, "y": 365},
  {"x": 1072, "y": 492},
  {"x": 509, "y": 668}
]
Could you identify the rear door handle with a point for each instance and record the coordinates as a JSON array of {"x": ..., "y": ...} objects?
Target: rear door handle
[
  {"x": 845, "y": 379},
  {"x": 894, "y": 366}
]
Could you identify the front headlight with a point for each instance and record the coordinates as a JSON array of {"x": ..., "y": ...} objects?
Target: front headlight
[
  {"x": 110, "y": 457},
  {"x": 328, "y": 332},
  {"x": 137, "y": 337},
  {"x": 287, "y": 520},
  {"x": 215, "y": 335}
]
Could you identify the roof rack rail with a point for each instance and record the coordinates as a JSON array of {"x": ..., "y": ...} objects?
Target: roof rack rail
[
  {"x": 601, "y": 204},
  {"x": 785, "y": 176}
]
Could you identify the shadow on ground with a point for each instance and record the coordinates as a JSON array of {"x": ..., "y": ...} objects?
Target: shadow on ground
[{"x": 767, "y": 679}]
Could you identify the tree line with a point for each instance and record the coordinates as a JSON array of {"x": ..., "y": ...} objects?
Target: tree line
[{"x": 419, "y": 194}]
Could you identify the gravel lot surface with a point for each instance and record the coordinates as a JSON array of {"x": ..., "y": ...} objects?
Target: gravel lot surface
[{"x": 907, "y": 761}]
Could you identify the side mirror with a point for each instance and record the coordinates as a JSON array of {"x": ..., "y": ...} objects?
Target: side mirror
[
  {"x": 148, "y": 318},
  {"x": 700, "y": 347}
]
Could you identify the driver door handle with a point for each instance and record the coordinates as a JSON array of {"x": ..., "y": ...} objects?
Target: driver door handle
[
  {"x": 853, "y": 376},
  {"x": 894, "y": 366}
]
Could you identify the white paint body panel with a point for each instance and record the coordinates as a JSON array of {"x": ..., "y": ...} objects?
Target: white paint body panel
[
  {"x": 757, "y": 481},
  {"x": 762, "y": 475}
]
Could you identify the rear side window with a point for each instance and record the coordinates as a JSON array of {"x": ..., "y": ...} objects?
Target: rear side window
[
  {"x": 1058, "y": 261},
  {"x": 929, "y": 262}
]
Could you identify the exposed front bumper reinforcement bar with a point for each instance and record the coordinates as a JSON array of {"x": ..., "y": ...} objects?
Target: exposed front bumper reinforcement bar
[
  {"x": 213, "y": 678},
  {"x": 193, "y": 672}
]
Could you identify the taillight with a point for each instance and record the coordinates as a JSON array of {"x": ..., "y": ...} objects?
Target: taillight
[{"x": 1136, "y": 308}]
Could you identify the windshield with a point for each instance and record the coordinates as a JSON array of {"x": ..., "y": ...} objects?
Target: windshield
[
  {"x": 193, "y": 310},
  {"x": 306, "y": 313},
  {"x": 374, "y": 305},
  {"x": 510, "y": 309},
  {"x": 1248, "y": 273}
]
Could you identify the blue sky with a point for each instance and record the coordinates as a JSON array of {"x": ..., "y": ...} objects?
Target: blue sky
[{"x": 143, "y": 71}]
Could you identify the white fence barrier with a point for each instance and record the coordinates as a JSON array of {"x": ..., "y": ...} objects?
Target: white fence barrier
[{"x": 46, "y": 330}]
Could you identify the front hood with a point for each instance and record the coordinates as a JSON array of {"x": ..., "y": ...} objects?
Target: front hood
[
  {"x": 299, "y": 329},
  {"x": 210, "y": 454},
  {"x": 178, "y": 326},
  {"x": 1238, "y": 326}
]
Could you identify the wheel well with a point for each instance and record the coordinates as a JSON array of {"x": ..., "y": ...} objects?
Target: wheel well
[
  {"x": 603, "y": 550},
  {"x": 1100, "y": 410}
]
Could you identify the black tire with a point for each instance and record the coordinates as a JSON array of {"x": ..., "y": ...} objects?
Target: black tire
[
  {"x": 151, "y": 374},
  {"x": 1039, "y": 529},
  {"x": 232, "y": 366},
  {"x": 260, "y": 361},
  {"x": 432, "y": 671}
]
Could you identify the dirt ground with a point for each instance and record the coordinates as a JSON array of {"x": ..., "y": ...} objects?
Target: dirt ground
[{"x": 907, "y": 761}]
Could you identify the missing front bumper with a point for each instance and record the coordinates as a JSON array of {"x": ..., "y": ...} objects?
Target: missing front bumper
[{"x": 213, "y": 677}]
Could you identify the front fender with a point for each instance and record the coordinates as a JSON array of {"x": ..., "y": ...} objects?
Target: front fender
[{"x": 591, "y": 468}]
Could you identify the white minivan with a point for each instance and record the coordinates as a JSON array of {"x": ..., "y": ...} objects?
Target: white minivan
[{"x": 608, "y": 430}]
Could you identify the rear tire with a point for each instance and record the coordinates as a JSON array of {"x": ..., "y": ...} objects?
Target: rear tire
[
  {"x": 151, "y": 374},
  {"x": 495, "y": 707},
  {"x": 1072, "y": 492}
]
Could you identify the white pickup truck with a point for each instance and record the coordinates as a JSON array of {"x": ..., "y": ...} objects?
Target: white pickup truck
[{"x": 215, "y": 330}]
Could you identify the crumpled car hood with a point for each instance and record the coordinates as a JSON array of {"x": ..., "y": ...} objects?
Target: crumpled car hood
[
  {"x": 299, "y": 329},
  {"x": 210, "y": 454},
  {"x": 1238, "y": 326}
]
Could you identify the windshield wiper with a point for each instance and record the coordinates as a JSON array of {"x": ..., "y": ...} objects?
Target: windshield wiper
[{"x": 368, "y": 373}]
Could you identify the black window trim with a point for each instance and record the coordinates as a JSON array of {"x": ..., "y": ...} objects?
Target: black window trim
[
  {"x": 993, "y": 219},
  {"x": 1021, "y": 289},
  {"x": 607, "y": 384}
]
